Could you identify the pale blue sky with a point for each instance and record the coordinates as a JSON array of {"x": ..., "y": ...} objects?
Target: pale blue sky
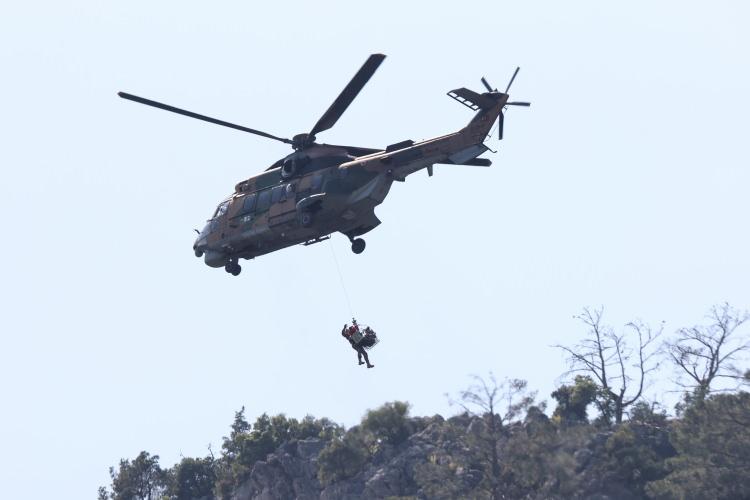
[{"x": 625, "y": 184}]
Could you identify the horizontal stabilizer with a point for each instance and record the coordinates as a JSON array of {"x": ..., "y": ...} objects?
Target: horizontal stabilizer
[{"x": 471, "y": 99}]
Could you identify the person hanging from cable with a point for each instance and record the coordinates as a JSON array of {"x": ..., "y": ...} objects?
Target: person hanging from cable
[{"x": 359, "y": 341}]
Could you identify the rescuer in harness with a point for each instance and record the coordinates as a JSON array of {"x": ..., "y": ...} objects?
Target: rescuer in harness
[{"x": 360, "y": 340}]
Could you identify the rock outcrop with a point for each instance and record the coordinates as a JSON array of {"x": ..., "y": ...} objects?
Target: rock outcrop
[
  {"x": 440, "y": 447},
  {"x": 291, "y": 472}
]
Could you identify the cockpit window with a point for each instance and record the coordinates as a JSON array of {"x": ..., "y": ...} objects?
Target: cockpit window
[{"x": 221, "y": 209}]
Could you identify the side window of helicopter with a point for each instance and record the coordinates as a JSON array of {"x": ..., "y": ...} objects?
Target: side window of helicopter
[
  {"x": 248, "y": 204},
  {"x": 276, "y": 194},
  {"x": 264, "y": 200}
]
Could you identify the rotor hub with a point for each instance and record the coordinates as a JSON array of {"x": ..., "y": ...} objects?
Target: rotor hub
[{"x": 301, "y": 141}]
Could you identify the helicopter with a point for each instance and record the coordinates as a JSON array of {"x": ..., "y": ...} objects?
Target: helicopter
[{"x": 320, "y": 189}]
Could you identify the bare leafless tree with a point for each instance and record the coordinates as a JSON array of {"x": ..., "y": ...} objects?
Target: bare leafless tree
[
  {"x": 507, "y": 399},
  {"x": 704, "y": 353},
  {"x": 619, "y": 362},
  {"x": 497, "y": 404}
]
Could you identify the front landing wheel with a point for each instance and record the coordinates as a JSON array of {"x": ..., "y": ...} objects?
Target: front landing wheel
[
  {"x": 233, "y": 268},
  {"x": 358, "y": 245}
]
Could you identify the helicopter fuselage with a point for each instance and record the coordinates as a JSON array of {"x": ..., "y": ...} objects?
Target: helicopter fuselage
[{"x": 322, "y": 189}]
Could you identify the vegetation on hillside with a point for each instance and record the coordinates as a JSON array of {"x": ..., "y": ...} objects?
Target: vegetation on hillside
[{"x": 601, "y": 439}]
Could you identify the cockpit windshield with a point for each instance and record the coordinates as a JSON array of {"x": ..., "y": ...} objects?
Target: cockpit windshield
[{"x": 221, "y": 209}]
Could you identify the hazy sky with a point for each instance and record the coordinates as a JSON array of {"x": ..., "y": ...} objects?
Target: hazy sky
[{"x": 624, "y": 185}]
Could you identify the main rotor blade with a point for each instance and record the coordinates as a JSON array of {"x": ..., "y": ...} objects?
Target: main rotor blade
[
  {"x": 345, "y": 98},
  {"x": 179, "y": 111},
  {"x": 518, "y": 103},
  {"x": 486, "y": 84},
  {"x": 512, "y": 78}
]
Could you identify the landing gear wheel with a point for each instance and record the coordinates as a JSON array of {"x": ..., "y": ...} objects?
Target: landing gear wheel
[
  {"x": 233, "y": 268},
  {"x": 199, "y": 253},
  {"x": 306, "y": 219},
  {"x": 358, "y": 245}
]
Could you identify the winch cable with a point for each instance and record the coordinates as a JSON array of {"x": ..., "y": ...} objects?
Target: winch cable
[{"x": 341, "y": 278}]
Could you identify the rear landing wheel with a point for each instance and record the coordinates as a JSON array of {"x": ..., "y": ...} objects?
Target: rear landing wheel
[{"x": 358, "y": 245}]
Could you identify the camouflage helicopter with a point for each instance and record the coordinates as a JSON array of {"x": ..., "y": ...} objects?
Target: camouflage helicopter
[{"x": 320, "y": 189}]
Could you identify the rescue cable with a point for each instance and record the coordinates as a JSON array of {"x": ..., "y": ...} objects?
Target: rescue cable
[{"x": 341, "y": 278}]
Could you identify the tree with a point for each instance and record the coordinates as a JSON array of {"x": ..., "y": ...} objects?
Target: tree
[
  {"x": 322, "y": 428},
  {"x": 539, "y": 458},
  {"x": 619, "y": 369},
  {"x": 486, "y": 399},
  {"x": 389, "y": 424},
  {"x": 573, "y": 400},
  {"x": 713, "y": 444},
  {"x": 626, "y": 458},
  {"x": 704, "y": 353},
  {"x": 141, "y": 479},
  {"x": 232, "y": 445},
  {"x": 248, "y": 444},
  {"x": 193, "y": 478},
  {"x": 343, "y": 457},
  {"x": 448, "y": 473}
]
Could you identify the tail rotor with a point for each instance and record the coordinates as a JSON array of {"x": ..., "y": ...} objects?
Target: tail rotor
[
  {"x": 518, "y": 68},
  {"x": 501, "y": 116},
  {"x": 487, "y": 85}
]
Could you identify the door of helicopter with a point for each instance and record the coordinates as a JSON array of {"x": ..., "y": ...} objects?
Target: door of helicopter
[{"x": 283, "y": 204}]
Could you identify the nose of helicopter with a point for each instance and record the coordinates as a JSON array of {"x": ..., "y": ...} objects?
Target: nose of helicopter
[{"x": 199, "y": 247}]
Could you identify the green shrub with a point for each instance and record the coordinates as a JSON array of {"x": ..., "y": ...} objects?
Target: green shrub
[
  {"x": 389, "y": 423},
  {"x": 342, "y": 458}
]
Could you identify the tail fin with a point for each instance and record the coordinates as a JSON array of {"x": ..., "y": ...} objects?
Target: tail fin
[{"x": 489, "y": 106}]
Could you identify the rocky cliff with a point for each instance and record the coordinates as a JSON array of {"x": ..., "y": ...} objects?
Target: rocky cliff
[
  {"x": 439, "y": 452},
  {"x": 292, "y": 470}
]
